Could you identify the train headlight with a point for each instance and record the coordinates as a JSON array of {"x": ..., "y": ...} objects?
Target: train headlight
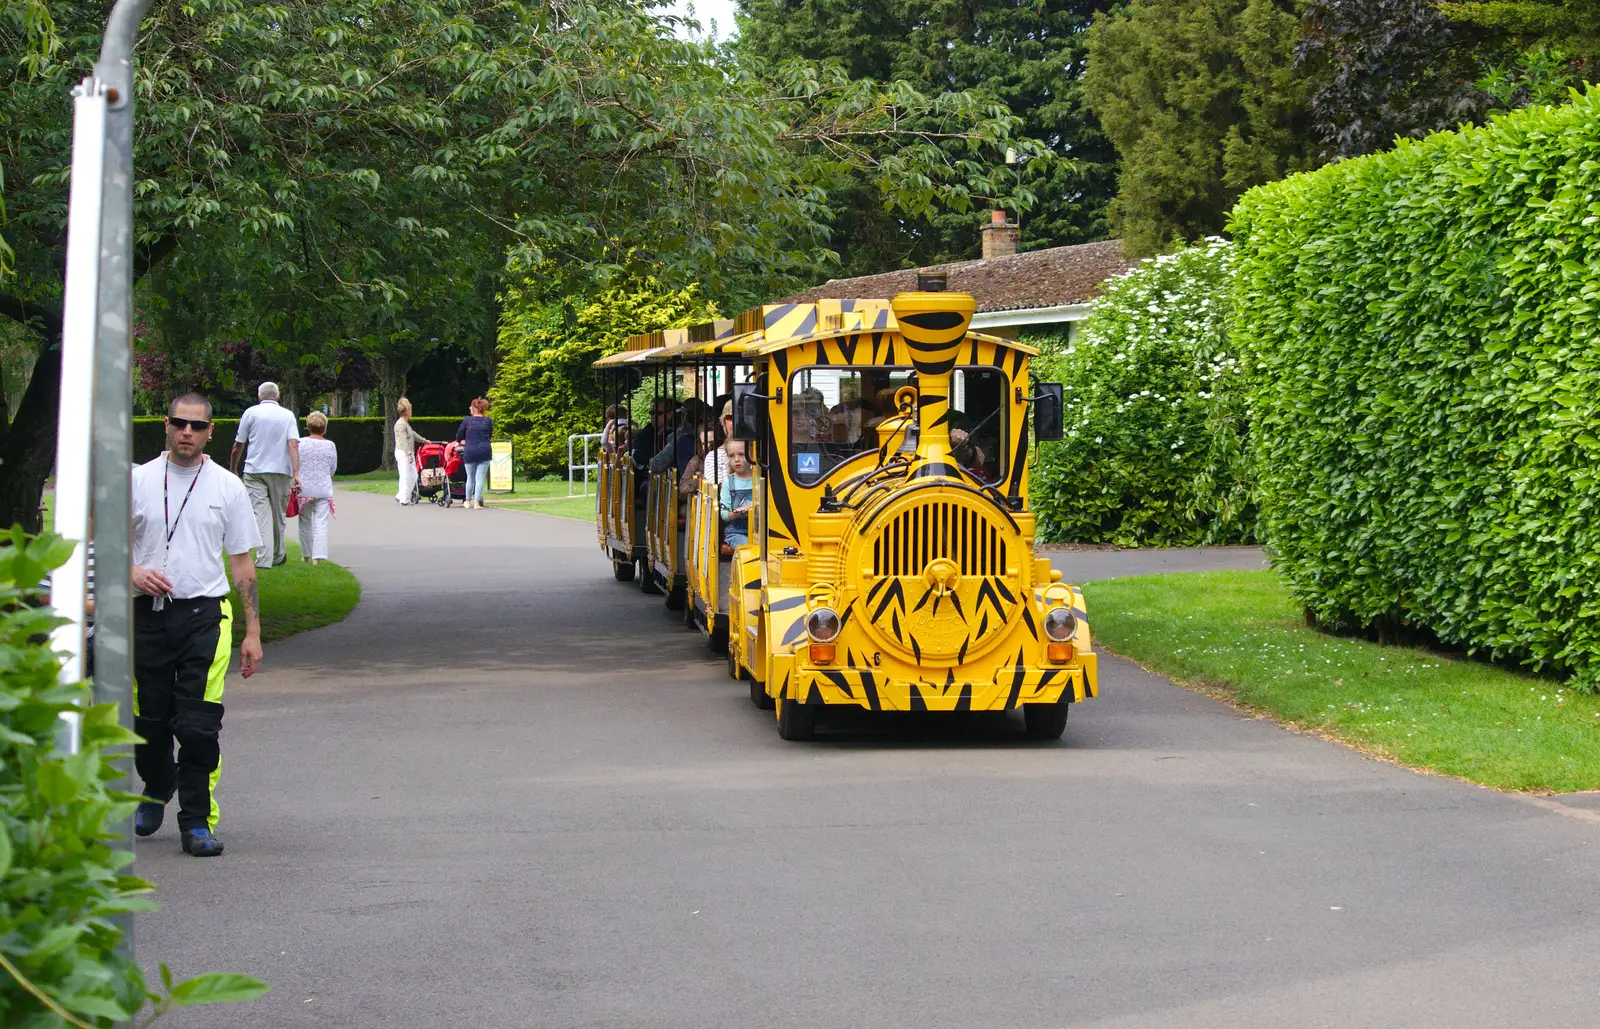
[
  {"x": 1060, "y": 624},
  {"x": 823, "y": 625}
]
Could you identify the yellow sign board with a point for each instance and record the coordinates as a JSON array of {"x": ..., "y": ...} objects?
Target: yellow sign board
[{"x": 501, "y": 477}]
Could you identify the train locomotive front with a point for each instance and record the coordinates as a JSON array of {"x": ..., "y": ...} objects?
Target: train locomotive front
[{"x": 901, "y": 576}]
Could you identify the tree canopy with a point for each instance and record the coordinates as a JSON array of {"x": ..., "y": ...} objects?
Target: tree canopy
[
  {"x": 546, "y": 388},
  {"x": 1028, "y": 56},
  {"x": 316, "y": 172},
  {"x": 1384, "y": 69},
  {"x": 1202, "y": 99},
  {"x": 1570, "y": 27}
]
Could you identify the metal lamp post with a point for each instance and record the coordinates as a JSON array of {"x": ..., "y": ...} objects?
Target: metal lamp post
[{"x": 95, "y": 428}]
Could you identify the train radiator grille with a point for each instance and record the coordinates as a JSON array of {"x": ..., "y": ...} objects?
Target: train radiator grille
[{"x": 913, "y": 538}]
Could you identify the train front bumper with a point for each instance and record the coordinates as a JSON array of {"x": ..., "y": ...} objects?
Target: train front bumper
[{"x": 1010, "y": 688}]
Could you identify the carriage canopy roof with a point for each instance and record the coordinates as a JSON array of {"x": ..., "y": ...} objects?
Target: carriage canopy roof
[{"x": 765, "y": 330}]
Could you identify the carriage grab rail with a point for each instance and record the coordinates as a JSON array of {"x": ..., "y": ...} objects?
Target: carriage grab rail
[{"x": 586, "y": 466}]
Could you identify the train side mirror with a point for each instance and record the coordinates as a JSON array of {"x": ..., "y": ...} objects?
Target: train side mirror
[
  {"x": 749, "y": 413},
  {"x": 1049, "y": 412}
]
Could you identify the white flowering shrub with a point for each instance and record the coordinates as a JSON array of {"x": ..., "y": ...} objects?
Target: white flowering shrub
[{"x": 1155, "y": 452}]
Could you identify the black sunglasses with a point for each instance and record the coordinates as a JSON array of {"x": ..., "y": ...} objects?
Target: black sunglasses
[{"x": 197, "y": 424}]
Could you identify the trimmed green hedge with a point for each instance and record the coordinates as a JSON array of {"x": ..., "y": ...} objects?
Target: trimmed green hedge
[
  {"x": 1155, "y": 452},
  {"x": 360, "y": 440},
  {"x": 1426, "y": 400}
]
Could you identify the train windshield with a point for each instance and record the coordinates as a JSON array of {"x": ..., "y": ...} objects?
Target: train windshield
[{"x": 834, "y": 414}]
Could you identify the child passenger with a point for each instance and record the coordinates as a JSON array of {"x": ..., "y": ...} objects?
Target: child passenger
[{"x": 738, "y": 495}]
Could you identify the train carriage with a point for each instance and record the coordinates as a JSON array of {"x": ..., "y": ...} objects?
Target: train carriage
[{"x": 890, "y": 562}]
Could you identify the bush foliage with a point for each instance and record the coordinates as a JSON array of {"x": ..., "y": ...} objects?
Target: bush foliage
[
  {"x": 1154, "y": 454},
  {"x": 1426, "y": 400},
  {"x": 61, "y": 881},
  {"x": 546, "y": 388}
]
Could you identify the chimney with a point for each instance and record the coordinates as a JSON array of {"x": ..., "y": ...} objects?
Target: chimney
[{"x": 1000, "y": 236}]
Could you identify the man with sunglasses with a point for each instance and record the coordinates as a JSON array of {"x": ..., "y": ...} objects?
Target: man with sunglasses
[
  {"x": 269, "y": 441},
  {"x": 187, "y": 511}
]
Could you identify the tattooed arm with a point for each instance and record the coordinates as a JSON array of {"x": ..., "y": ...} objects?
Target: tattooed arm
[{"x": 243, "y": 568}]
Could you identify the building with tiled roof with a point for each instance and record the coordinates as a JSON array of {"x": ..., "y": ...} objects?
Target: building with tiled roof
[{"x": 1039, "y": 290}]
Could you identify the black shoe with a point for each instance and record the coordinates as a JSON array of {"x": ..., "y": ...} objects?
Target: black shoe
[
  {"x": 147, "y": 818},
  {"x": 201, "y": 843}
]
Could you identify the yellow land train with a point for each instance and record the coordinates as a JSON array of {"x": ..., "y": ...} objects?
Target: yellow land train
[{"x": 890, "y": 562}]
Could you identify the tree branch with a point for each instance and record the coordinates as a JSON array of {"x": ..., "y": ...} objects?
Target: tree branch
[
  {"x": 147, "y": 257},
  {"x": 28, "y": 311}
]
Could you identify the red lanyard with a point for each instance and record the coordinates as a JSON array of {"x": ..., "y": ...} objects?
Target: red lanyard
[{"x": 172, "y": 526}]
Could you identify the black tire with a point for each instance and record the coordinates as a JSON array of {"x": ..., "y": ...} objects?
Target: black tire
[
  {"x": 797, "y": 722},
  {"x": 623, "y": 570},
  {"x": 1045, "y": 721},
  {"x": 677, "y": 596},
  {"x": 717, "y": 640},
  {"x": 647, "y": 579},
  {"x": 691, "y": 620},
  {"x": 758, "y": 695}
]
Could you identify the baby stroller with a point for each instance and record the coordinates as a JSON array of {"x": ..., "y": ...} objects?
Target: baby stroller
[{"x": 441, "y": 474}]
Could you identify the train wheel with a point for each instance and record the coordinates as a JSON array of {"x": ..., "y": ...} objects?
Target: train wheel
[
  {"x": 797, "y": 722},
  {"x": 758, "y": 695},
  {"x": 690, "y": 622},
  {"x": 733, "y": 666},
  {"x": 717, "y": 640},
  {"x": 1045, "y": 721},
  {"x": 677, "y": 596},
  {"x": 623, "y": 570},
  {"x": 647, "y": 579}
]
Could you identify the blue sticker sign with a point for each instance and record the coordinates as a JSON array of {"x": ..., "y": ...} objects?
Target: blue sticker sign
[{"x": 808, "y": 464}]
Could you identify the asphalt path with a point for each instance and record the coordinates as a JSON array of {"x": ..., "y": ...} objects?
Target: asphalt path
[{"x": 509, "y": 791}]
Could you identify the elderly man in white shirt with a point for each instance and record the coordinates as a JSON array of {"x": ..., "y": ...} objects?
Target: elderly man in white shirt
[{"x": 269, "y": 441}]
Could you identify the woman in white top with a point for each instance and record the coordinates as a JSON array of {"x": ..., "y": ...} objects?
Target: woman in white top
[
  {"x": 406, "y": 442},
  {"x": 319, "y": 459}
]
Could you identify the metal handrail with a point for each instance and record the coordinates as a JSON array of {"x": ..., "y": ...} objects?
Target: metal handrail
[{"x": 589, "y": 464}]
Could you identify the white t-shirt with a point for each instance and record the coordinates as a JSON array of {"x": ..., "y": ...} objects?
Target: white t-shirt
[
  {"x": 216, "y": 517},
  {"x": 266, "y": 430}
]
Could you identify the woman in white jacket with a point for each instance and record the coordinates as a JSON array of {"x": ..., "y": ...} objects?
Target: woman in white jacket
[
  {"x": 319, "y": 459},
  {"x": 406, "y": 442}
]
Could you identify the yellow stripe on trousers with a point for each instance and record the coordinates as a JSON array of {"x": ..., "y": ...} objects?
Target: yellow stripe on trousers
[{"x": 216, "y": 678}]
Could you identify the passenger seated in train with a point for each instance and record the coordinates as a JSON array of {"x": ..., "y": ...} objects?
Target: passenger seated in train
[
  {"x": 647, "y": 441},
  {"x": 971, "y": 456},
  {"x": 678, "y": 449},
  {"x": 738, "y": 494},
  {"x": 810, "y": 421},
  {"x": 716, "y": 465},
  {"x": 696, "y": 472}
]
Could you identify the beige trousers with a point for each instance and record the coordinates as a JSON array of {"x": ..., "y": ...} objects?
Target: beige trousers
[{"x": 269, "y": 494}]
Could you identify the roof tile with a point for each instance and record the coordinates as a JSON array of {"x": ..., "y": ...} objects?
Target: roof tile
[{"x": 1038, "y": 278}]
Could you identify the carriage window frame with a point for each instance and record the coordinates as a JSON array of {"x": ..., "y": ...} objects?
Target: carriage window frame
[{"x": 810, "y": 477}]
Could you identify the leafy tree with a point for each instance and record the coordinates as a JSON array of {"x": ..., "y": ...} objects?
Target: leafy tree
[
  {"x": 546, "y": 389},
  {"x": 1029, "y": 56},
  {"x": 344, "y": 166},
  {"x": 1203, "y": 101},
  {"x": 1570, "y": 27},
  {"x": 1384, "y": 69},
  {"x": 1536, "y": 76}
]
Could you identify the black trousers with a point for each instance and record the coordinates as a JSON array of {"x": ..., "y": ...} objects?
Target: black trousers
[{"x": 180, "y": 658}]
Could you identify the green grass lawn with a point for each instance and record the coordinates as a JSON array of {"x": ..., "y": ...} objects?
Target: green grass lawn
[
  {"x": 546, "y": 498},
  {"x": 1240, "y": 636},
  {"x": 294, "y": 596},
  {"x": 298, "y": 596}
]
